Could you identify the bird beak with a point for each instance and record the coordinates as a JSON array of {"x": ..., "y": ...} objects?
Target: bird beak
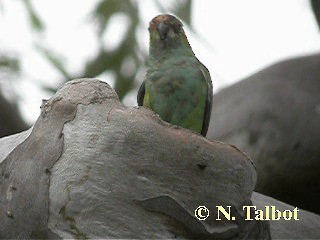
[{"x": 163, "y": 30}]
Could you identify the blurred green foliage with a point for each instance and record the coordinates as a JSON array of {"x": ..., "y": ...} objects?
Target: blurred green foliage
[
  {"x": 9, "y": 63},
  {"x": 36, "y": 22},
  {"x": 110, "y": 60},
  {"x": 124, "y": 61},
  {"x": 114, "y": 60}
]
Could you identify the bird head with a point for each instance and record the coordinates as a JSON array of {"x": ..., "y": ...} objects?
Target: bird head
[
  {"x": 166, "y": 32},
  {"x": 165, "y": 27}
]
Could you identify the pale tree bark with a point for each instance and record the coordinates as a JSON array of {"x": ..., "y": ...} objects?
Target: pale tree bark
[{"x": 92, "y": 168}]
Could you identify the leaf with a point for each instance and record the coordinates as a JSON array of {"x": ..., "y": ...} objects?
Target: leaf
[
  {"x": 10, "y": 63},
  {"x": 316, "y": 10},
  {"x": 107, "y": 8},
  {"x": 36, "y": 22},
  {"x": 112, "y": 60},
  {"x": 55, "y": 60},
  {"x": 183, "y": 10}
]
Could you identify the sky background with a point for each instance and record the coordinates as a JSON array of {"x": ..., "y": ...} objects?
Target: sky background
[{"x": 232, "y": 38}]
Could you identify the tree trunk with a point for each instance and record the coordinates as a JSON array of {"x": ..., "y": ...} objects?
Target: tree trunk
[
  {"x": 92, "y": 168},
  {"x": 274, "y": 116}
]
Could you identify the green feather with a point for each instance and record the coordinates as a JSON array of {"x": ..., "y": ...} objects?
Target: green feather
[{"x": 177, "y": 86}]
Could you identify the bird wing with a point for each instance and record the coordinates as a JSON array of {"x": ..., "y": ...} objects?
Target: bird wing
[
  {"x": 207, "y": 111},
  {"x": 141, "y": 93}
]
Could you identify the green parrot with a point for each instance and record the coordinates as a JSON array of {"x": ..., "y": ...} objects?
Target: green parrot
[{"x": 177, "y": 85}]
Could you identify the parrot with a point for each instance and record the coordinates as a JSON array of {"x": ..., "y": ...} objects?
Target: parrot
[{"x": 177, "y": 86}]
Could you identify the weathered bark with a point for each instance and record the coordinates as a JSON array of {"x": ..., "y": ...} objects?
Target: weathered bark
[
  {"x": 93, "y": 168},
  {"x": 274, "y": 116}
]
